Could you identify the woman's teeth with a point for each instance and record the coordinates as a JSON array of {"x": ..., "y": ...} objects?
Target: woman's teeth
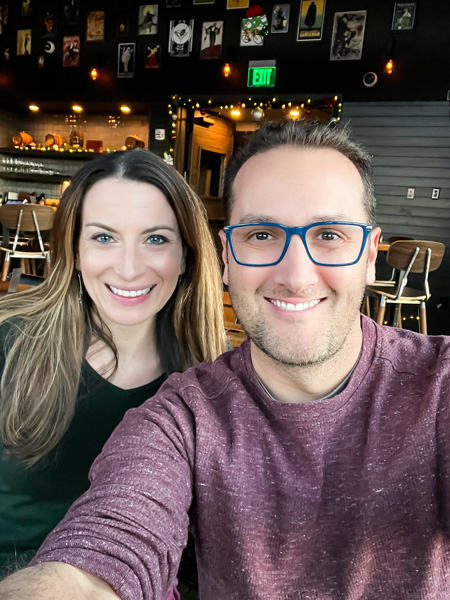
[{"x": 130, "y": 293}]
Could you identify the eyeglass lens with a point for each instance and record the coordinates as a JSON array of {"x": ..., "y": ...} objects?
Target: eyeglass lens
[{"x": 262, "y": 244}]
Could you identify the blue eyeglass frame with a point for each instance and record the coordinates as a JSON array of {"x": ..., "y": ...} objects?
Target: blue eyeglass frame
[{"x": 301, "y": 231}]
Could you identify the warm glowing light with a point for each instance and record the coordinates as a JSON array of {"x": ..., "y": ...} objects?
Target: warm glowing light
[
  {"x": 65, "y": 184},
  {"x": 235, "y": 113},
  {"x": 389, "y": 67},
  {"x": 226, "y": 70},
  {"x": 125, "y": 109},
  {"x": 33, "y": 107},
  {"x": 294, "y": 113},
  {"x": 94, "y": 73},
  {"x": 77, "y": 108}
]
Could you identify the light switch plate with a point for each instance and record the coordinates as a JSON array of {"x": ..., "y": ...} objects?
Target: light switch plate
[
  {"x": 410, "y": 193},
  {"x": 435, "y": 194}
]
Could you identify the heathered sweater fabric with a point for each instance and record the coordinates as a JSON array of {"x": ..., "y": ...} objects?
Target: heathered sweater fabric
[{"x": 346, "y": 498}]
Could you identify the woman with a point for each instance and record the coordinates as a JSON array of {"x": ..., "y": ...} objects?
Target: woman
[{"x": 133, "y": 294}]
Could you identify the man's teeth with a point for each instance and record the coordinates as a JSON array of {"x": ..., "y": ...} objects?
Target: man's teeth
[
  {"x": 299, "y": 306},
  {"x": 130, "y": 293}
]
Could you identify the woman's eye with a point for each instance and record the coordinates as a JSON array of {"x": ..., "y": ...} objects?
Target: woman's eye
[
  {"x": 157, "y": 240},
  {"x": 103, "y": 238}
]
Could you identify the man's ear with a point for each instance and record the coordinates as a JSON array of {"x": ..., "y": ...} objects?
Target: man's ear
[
  {"x": 223, "y": 239},
  {"x": 374, "y": 238}
]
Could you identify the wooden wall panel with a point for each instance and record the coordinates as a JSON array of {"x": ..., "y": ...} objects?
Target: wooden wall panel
[{"x": 410, "y": 144}]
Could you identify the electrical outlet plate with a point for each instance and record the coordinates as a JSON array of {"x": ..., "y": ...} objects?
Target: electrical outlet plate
[
  {"x": 435, "y": 194},
  {"x": 410, "y": 193}
]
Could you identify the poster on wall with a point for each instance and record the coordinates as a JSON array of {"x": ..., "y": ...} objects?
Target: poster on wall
[
  {"x": 23, "y": 42},
  {"x": 212, "y": 38},
  {"x": 95, "y": 31},
  {"x": 48, "y": 21},
  {"x": 280, "y": 18},
  {"x": 71, "y": 12},
  {"x": 71, "y": 51},
  {"x": 148, "y": 19},
  {"x": 152, "y": 56},
  {"x": 310, "y": 21},
  {"x": 404, "y": 15},
  {"x": 27, "y": 8},
  {"x": 180, "y": 38},
  {"x": 348, "y": 35},
  {"x": 4, "y": 14},
  {"x": 251, "y": 30},
  {"x": 173, "y": 3},
  {"x": 122, "y": 27},
  {"x": 237, "y": 4},
  {"x": 126, "y": 54}
]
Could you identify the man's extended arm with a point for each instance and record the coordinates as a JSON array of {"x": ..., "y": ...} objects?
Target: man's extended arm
[{"x": 55, "y": 581}]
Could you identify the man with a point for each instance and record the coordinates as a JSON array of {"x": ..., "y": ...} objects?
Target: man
[{"x": 312, "y": 461}]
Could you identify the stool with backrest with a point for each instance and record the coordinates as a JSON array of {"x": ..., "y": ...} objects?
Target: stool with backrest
[
  {"x": 20, "y": 219},
  {"x": 235, "y": 334},
  {"x": 415, "y": 256},
  {"x": 384, "y": 282}
]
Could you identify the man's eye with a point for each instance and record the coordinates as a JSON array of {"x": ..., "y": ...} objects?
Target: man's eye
[
  {"x": 329, "y": 236},
  {"x": 103, "y": 238},
  {"x": 260, "y": 236}
]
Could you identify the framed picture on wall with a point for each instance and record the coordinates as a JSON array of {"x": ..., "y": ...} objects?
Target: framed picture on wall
[
  {"x": 95, "y": 31},
  {"x": 211, "y": 42},
  {"x": 27, "y": 8},
  {"x": 152, "y": 54},
  {"x": 348, "y": 35},
  {"x": 126, "y": 55},
  {"x": 122, "y": 27},
  {"x": 71, "y": 51},
  {"x": 71, "y": 12},
  {"x": 181, "y": 35},
  {"x": 4, "y": 15},
  {"x": 403, "y": 17},
  {"x": 310, "y": 21},
  {"x": 23, "y": 42},
  {"x": 148, "y": 19},
  {"x": 280, "y": 18},
  {"x": 48, "y": 21}
]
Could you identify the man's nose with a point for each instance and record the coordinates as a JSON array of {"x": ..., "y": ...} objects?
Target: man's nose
[{"x": 296, "y": 271}]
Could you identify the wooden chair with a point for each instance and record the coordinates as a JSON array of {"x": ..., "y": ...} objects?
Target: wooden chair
[
  {"x": 235, "y": 334},
  {"x": 415, "y": 256},
  {"x": 384, "y": 282},
  {"x": 18, "y": 219}
]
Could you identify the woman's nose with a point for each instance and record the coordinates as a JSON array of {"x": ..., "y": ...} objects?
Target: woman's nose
[{"x": 130, "y": 263}]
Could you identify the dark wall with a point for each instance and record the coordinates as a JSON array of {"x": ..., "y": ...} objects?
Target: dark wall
[{"x": 421, "y": 56}]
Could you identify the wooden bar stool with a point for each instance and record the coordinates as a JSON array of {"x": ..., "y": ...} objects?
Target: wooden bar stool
[
  {"x": 19, "y": 220},
  {"x": 235, "y": 334},
  {"x": 415, "y": 256}
]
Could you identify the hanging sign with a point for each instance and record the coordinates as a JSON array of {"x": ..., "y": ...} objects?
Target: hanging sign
[{"x": 261, "y": 73}]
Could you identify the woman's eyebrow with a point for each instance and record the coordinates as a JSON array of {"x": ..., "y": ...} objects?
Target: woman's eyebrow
[{"x": 147, "y": 230}]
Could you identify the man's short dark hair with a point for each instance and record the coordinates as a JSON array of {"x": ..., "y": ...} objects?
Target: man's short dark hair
[{"x": 302, "y": 134}]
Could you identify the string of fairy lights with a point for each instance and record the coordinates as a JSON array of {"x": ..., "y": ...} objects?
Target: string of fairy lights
[{"x": 248, "y": 107}]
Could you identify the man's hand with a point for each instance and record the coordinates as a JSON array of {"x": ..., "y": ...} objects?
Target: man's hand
[{"x": 55, "y": 581}]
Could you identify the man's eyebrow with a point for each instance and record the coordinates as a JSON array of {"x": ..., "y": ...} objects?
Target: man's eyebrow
[
  {"x": 252, "y": 218},
  {"x": 147, "y": 230}
]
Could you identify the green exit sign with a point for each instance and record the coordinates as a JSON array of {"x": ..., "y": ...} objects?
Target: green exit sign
[{"x": 261, "y": 76}]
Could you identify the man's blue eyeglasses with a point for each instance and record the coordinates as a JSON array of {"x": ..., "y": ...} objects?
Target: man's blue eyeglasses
[{"x": 327, "y": 243}]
